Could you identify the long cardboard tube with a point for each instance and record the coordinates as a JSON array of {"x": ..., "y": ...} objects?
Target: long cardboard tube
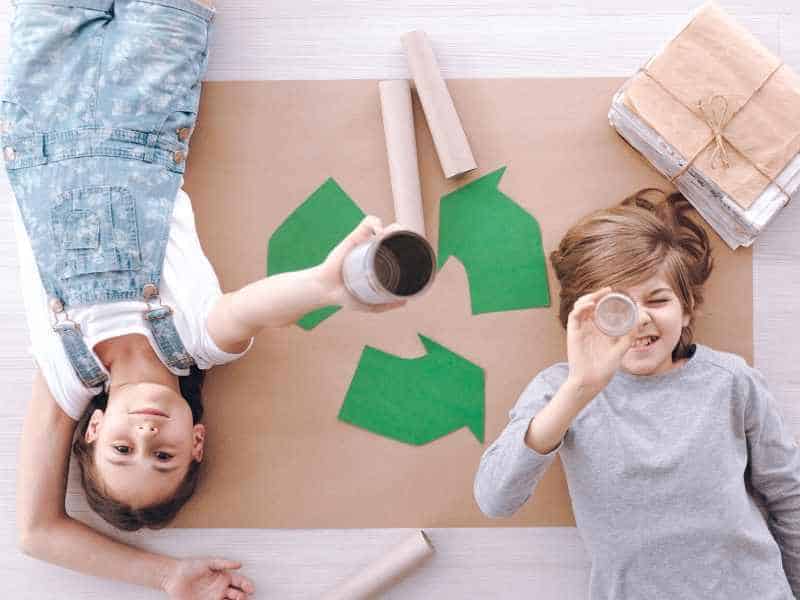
[
  {"x": 381, "y": 574},
  {"x": 449, "y": 138},
  {"x": 401, "y": 148}
]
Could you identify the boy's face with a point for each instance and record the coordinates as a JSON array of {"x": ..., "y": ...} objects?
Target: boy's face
[
  {"x": 660, "y": 315},
  {"x": 145, "y": 442}
]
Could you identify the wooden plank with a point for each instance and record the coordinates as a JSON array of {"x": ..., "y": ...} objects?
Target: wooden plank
[
  {"x": 323, "y": 39},
  {"x": 466, "y": 46}
]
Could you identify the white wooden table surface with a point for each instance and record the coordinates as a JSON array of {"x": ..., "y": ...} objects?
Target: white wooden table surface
[{"x": 354, "y": 39}]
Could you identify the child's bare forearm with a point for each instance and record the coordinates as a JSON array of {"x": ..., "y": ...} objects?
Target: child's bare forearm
[
  {"x": 279, "y": 300},
  {"x": 274, "y": 301},
  {"x": 547, "y": 429},
  {"x": 56, "y": 542},
  {"x": 44, "y": 529}
]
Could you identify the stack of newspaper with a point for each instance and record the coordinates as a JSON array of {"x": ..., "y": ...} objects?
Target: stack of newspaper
[
  {"x": 736, "y": 225},
  {"x": 656, "y": 112}
]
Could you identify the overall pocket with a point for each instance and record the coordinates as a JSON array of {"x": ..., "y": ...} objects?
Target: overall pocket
[{"x": 94, "y": 231}]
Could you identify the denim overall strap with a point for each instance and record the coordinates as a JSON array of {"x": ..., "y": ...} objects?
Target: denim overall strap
[
  {"x": 81, "y": 358},
  {"x": 162, "y": 326}
]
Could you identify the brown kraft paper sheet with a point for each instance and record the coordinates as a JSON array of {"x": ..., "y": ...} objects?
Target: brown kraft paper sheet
[
  {"x": 746, "y": 90},
  {"x": 277, "y": 456}
]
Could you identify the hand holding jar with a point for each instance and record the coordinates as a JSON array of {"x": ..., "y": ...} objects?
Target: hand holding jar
[{"x": 594, "y": 355}]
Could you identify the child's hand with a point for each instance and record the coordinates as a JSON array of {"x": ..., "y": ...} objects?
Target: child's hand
[
  {"x": 330, "y": 271},
  {"x": 207, "y": 579},
  {"x": 593, "y": 356}
]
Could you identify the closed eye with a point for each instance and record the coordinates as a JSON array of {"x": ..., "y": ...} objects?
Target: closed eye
[{"x": 659, "y": 301}]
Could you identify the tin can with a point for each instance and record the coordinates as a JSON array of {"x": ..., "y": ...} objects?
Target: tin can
[
  {"x": 616, "y": 314},
  {"x": 390, "y": 268}
]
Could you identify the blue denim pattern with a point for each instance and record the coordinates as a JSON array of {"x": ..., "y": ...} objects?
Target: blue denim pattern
[
  {"x": 167, "y": 339},
  {"x": 96, "y": 115},
  {"x": 82, "y": 360}
]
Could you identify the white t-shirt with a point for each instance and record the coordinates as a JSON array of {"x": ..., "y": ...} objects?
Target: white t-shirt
[{"x": 188, "y": 285}]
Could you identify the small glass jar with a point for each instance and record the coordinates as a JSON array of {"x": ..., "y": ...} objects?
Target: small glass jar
[{"x": 616, "y": 314}]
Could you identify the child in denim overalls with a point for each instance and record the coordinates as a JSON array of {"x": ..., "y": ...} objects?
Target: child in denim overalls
[{"x": 97, "y": 112}]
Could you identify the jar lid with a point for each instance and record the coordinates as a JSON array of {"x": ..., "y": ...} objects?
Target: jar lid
[{"x": 615, "y": 314}]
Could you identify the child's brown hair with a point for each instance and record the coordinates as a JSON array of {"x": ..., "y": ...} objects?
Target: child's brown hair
[
  {"x": 119, "y": 514},
  {"x": 626, "y": 244}
]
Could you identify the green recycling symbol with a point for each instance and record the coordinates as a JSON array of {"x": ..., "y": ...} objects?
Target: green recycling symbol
[{"x": 422, "y": 399}]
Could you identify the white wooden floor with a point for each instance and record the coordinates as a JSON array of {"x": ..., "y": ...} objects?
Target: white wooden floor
[{"x": 349, "y": 39}]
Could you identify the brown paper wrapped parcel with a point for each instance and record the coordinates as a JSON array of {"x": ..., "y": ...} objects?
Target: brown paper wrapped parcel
[{"x": 719, "y": 115}]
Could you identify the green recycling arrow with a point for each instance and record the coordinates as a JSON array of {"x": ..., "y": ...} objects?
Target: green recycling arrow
[
  {"x": 499, "y": 244},
  {"x": 415, "y": 400},
  {"x": 307, "y": 235}
]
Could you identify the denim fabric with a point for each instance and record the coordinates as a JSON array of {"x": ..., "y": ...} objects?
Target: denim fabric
[
  {"x": 167, "y": 339},
  {"x": 82, "y": 360},
  {"x": 96, "y": 115}
]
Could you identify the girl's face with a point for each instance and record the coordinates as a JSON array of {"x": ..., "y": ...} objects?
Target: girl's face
[
  {"x": 661, "y": 316},
  {"x": 145, "y": 443}
]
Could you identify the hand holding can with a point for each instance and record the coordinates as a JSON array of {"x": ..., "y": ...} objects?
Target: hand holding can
[{"x": 389, "y": 268}]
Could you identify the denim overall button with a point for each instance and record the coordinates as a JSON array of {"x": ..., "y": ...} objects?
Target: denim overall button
[
  {"x": 177, "y": 156},
  {"x": 149, "y": 290},
  {"x": 9, "y": 153},
  {"x": 183, "y": 133}
]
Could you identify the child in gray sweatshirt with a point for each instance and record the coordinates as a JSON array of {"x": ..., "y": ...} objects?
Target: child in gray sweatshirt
[{"x": 665, "y": 443}]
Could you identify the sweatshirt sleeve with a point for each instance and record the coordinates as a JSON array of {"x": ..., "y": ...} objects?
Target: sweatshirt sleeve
[
  {"x": 509, "y": 470},
  {"x": 774, "y": 462}
]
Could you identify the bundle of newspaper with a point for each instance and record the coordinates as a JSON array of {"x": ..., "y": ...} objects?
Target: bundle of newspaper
[{"x": 719, "y": 115}]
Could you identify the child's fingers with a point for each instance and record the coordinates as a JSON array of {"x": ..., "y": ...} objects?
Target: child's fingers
[
  {"x": 234, "y": 594},
  {"x": 220, "y": 564},
  {"x": 379, "y": 308},
  {"x": 581, "y": 311},
  {"x": 370, "y": 226},
  {"x": 584, "y": 306},
  {"x": 592, "y": 297},
  {"x": 365, "y": 231},
  {"x": 242, "y": 583}
]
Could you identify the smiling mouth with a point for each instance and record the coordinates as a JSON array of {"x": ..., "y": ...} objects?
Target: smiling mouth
[
  {"x": 645, "y": 342},
  {"x": 150, "y": 411}
]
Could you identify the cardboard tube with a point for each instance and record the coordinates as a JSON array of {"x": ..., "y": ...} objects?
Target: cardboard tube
[
  {"x": 449, "y": 138},
  {"x": 379, "y": 575},
  {"x": 401, "y": 148}
]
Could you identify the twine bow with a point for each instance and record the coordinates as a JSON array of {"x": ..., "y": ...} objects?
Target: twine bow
[
  {"x": 716, "y": 120},
  {"x": 717, "y": 116}
]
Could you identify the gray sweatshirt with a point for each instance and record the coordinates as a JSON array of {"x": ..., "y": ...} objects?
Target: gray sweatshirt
[{"x": 658, "y": 469}]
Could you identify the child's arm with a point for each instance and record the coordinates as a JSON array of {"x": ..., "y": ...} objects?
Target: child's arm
[
  {"x": 46, "y": 531},
  {"x": 774, "y": 461},
  {"x": 512, "y": 466},
  {"x": 282, "y": 299}
]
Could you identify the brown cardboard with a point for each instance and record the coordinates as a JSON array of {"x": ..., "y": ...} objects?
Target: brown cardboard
[
  {"x": 277, "y": 457},
  {"x": 384, "y": 572},
  {"x": 449, "y": 138},
  {"x": 401, "y": 150}
]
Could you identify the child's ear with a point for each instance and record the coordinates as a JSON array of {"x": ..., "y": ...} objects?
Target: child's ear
[
  {"x": 92, "y": 428},
  {"x": 198, "y": 438}
]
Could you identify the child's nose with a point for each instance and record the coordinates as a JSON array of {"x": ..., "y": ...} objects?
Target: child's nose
[
  {"x": 644, "y": 315},
  {"x": 148, "y": 429}
]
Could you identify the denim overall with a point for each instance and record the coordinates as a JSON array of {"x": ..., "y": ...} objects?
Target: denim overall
[{"x": 96, "y": 114}]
